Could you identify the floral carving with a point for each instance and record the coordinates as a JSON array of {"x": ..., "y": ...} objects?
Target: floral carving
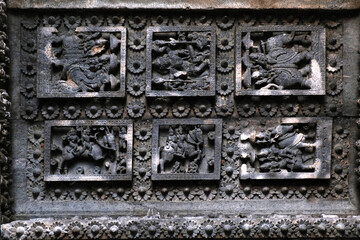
[
  {"x": 137, "y": 22},
  {"x": 136, "y": 87},
  {"x": 225, "y": 41},
  {"x": 225, "y": 64},
  {"x": 165, "y": 194},
  {"x": 94, "y": 21},
  {"x": 113, "y": 230},
  {"x": 334, "y": 63},
  {"x": 115, "y": 20},
  {"x": 225, "y": 22},
  {"x": 142, "y": 192},
  {"x": 94, "y": 230},
  {"x": 225, "y": 86},
  {"x": 52, "y": 21},
  {"x": 137, "y": 41},
  {"x": 50, "y": 111},
  {"x": 136, "y": 109},
  {"x": 202, "y": 108},
  {"x": 72, "y": 22},
  {"x": 72, "y": 111},
  {"x": 136, "y": 64},
  {"x": 181, "y": 109},
  {"x": 159, "y": 20},
  {"x": 114, "y": 109},
  {"x": 142, "y": 152},
  {"x": 159, "y": 108},
  {"x": 190, "y": 229}
]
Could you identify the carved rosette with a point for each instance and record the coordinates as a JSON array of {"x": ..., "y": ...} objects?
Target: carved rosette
[{"x": 276, "y": 226}]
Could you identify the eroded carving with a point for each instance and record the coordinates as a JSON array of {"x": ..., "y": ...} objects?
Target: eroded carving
[
  {"x": 85, "y": 63},
  {"x": 286, "y": 148},
  {"x": 186, "y": 149},
  {"x": 88, "y": 150},
  {"x": 180, "y": 61},
  {"x": 280, "y": 60}
]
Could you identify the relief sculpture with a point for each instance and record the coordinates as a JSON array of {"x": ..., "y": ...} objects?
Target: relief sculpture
[
  {"x": 180, "y": 146},
  {"x": 86, "y": 61},
  {"x": 290, "y": 148},
  {"x": 277, "y": 66},
  {"x": 180, "y": 61},
  {"x": 89, "y": 150},
  {"x": 220, "y": 114},
  {"x": 83, "y": 62},
  {"x": 185, "y": 149},
  {"x": 279, "y": 61},
  {"x": 81, "y": 144}
]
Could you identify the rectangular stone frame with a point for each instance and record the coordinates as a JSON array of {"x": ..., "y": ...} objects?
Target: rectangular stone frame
[
  {"x": 318, "y": 35},
  {"x": 323, "y": 152},
  {"x": 44, "y": 74},
  {"x": 66, "y": 123},
  {"x": 186, "y": 176},
  {"x": 169, "y": 93}
]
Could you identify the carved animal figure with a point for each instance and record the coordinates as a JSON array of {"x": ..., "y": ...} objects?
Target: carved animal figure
[
  {"x": 277, "y": 66},
  {"x": 85, "y": 147},
  {"x": 88, "y": 69},
  {"x": 282, "y": 74},
  {"x": 284, "y": 151},
  {"x": 191, "y": 149},
  {"x": 181, "y": 63}
]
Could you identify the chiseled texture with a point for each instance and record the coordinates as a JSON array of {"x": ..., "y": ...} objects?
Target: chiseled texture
[
  {"x": 188, "y": 4},
  {"x": 5, "y": 177}
]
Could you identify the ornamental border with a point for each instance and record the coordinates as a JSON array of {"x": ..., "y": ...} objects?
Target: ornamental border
[{"x": 153, "y": 226}]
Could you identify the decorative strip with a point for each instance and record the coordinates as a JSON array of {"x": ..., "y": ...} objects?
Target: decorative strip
[
  {"x": 5, "y": 161},
  {"x": 277, "y": 226}
]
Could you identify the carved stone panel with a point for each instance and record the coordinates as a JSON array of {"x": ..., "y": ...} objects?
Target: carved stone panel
[
  {"x": 280, "y": 60},
  {"x": 85, "y": 62},
  {"x": 180, "y": 61},
  {"x": 88, "y": 150},
  {"x": 287, "y": 148},
  {"x": 192, "y": 149},
  {"x": 186, "y": 149}
]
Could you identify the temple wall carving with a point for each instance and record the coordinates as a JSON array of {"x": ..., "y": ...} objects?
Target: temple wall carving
[{"x": 179, "y": 124}]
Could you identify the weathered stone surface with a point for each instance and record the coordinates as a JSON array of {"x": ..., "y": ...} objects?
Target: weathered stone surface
[
  {"x": 167, "y": 75},
  {"x": 188, "y": 4},
  {"x": 186, "y": 149},
  {"x": 280, "y": 68},
  {"x": 84, "y": 62},
  {"x": 180, "y": 163},
  {"x": 88, "y": 150}
]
